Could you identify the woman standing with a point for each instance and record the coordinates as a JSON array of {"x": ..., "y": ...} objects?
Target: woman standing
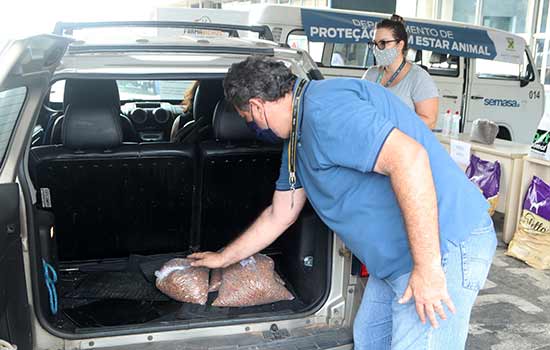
[{"x": 412, "y": 84}]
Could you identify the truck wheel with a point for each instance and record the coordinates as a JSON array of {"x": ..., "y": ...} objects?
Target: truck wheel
[{"x": 504, "y": 133}]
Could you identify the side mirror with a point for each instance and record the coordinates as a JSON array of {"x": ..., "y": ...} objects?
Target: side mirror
[{"x": 523, "y": 81}]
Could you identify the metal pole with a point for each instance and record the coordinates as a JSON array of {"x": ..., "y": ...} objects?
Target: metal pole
[{"x": 479, "y": 9}]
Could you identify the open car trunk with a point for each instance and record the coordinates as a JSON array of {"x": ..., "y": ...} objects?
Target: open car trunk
[
  {"x": 98, "y": 294},
  {"x": 111, "y": 212}
]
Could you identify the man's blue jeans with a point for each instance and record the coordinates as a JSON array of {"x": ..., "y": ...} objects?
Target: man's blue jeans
[{"x": 383, "y": 323}]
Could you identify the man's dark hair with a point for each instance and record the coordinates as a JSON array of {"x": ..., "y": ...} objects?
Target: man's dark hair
[{"x": 257, "y": 76}]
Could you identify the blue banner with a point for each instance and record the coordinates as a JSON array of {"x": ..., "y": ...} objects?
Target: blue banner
[{"x": 336, "y": 27}]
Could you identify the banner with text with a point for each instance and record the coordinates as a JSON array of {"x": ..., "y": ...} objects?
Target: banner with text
[{"x": 334, "y": 27}]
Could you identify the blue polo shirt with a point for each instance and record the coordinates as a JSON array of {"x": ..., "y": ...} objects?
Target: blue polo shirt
[{"x": 344, "y": 125}]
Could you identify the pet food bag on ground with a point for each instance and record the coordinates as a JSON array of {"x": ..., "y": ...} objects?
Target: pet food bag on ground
[
  {"x": 251, "y": 282},
  {"x": 486, "y": 175},
  {"x": 531, "y": 242},
  {"x": 183, "y": 282}
]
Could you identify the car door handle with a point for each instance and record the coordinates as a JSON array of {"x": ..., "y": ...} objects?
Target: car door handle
[
  {"x": 450, "y": 96},
  {"x": 476, "y": 97}
]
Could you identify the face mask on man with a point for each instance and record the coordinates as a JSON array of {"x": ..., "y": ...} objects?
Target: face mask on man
[
  {"x": 265, "y": 135},
  {"x": 385, "y": 57}
]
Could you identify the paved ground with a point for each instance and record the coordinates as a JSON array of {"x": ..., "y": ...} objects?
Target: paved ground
[{"x": 513, "y": 309}]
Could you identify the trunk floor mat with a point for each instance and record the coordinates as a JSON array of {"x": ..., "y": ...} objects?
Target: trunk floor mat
[
  {"x": 194, "y": 311},
  {"x": 115, "y": 312},
  {"x": 116, "y": 285},
  {"x": 131, "y": 279},
  {"x": 114, "y": 293}
]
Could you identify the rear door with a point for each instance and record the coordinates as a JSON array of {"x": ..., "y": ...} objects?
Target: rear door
[
  {"x": 507, "y": 93},
  {"x": 25, "y": 71}
]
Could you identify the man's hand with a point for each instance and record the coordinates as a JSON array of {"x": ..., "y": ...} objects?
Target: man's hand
[
  {"x": 429, "y": 289},
  {"x": 211, "y": 260},
  {"x": 274, "y": 220}
]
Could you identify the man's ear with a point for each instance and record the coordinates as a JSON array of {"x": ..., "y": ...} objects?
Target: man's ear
[
  {"x": 258, "y": 106},
  {"x": 256, "y": 102}
]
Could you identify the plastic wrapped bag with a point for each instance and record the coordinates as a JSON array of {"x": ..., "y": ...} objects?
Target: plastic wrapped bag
[
  {"x": 183, "y": 282},
  {"x": 486, "y": 175},
  {"x": 484, "y": 131},
  {"x": 531, "y": 242},
  {"x": 251, "y": 282},
  {"x": 216, "y": 280}
]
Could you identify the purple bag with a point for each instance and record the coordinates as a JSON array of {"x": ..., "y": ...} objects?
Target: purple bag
[
  {"x": 537, "y": 198},
  {"x": 485, "y": 174},
  {"x": 531, "y": 242}
]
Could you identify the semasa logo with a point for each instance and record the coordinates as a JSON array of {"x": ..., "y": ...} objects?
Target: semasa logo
[{"x": 500, "y": 102}]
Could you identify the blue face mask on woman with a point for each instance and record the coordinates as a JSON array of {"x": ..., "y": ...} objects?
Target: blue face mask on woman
[{"x": 265, "y": 135}]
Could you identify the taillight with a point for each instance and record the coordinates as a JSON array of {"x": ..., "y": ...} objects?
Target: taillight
[{"x": 364, "y": 272}]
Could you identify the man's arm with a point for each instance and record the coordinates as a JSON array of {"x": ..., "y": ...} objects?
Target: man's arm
[
  {"x": 273, "y": 221},
  {"x": 407, "y": 164}
]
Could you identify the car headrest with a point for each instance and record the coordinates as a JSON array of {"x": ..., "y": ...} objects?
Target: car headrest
[
  {"x": 437, "y": 57},
  {"x": 207, "y": 94},
  {"x": 228, "y": 125},
  {"x": 91, "y": 127},
  {"x": 414, "y": 55},
  {"x": 452, "y": 59},
  {"x": 91, "y": 92}
]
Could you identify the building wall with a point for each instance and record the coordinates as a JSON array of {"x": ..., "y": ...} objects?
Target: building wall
[{"x": 384, "y": 6}]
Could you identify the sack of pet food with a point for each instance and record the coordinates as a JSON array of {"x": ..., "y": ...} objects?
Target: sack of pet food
[
  {"x": 486, "y": 175},
  {"x": 183, "y": 282},
  {"x": 531, "y": 242},
  {"x": 251, "y": 282},
  {"x": 216, "y": 280}
]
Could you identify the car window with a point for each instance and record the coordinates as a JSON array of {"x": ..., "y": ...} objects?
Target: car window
[
  {"x": 298, "y": 40},
  {"x": 11, "y": 102},
  {"x": 440, "y": 63},
  {"x": 152, "y": 89},
  {"x": 488, "y": 69},
  {"x": 352, "y": 56},
  {"x": 137, "y": 90},
  {"x": 133, "y": 33},
  {"x": 435, "y": 63}
]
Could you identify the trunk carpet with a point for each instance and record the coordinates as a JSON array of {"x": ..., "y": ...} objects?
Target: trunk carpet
[
  {"x": 122, "y": 292},
  {"x": 116, "y": 285}
]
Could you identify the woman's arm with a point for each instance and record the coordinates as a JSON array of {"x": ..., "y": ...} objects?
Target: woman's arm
[{"x": 427, "y": 110}]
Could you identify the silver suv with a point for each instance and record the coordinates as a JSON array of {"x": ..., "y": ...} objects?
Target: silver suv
[{"x": 117, "y": 153}]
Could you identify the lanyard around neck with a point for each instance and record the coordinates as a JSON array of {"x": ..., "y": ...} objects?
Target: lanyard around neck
[
  {"x": 292, "y": 144},
  {"x": 393, "y": 76}
]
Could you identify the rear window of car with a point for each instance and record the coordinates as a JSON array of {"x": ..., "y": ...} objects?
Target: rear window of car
[
  {"x": 135, "y": 90},
  {"x": 297, "y": 39},
  {"x": 11, "y": 102}
]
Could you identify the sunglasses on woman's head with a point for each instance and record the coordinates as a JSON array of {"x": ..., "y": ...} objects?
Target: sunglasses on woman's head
[{"x": 381, "y": 44}]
